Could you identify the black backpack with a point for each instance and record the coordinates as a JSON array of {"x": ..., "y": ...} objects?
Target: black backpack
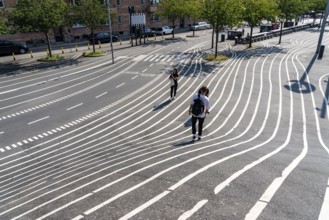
[{"x": 198, "y": 106}]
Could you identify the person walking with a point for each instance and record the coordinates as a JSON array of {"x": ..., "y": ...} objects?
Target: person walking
[
  {"x": 173, "y": 83},
  {"x": 199, "y": 107}
]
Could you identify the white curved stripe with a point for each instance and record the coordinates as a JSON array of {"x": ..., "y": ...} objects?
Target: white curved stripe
[{"x": 189, "y": 213}]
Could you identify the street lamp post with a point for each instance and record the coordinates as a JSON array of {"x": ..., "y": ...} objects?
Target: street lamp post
[{"x": 110, "y": 27}]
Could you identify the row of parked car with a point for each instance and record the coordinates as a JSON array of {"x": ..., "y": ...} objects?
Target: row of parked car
[
  {"x": 105, "y": 37},
  {"x": 8, "y": 47},
  {"x": 200, "y": 26}
]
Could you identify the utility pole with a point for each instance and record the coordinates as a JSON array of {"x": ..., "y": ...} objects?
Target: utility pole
[
  {"x": 110, "y": 27},
  {"x": 324, "y": 21}
]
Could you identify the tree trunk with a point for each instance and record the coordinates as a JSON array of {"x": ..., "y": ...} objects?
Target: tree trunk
[
  {"x": 280, "y": 32},
  {"x": 250, "y": 41},
  {"x": 93, "y": 41},
  {"x": 173, "y": 28},
  {"x": 212, "y": 37},
  {"x": 216, "y": 42},
  {"x": 321, "y": 20},
  {"x": 48, "y": 44}
]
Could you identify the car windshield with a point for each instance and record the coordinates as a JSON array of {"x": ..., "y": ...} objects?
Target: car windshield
[{"x": 159, "y": 29}]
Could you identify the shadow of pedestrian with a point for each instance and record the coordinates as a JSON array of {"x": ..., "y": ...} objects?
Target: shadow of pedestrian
[
  {"x": 162, "y": 105},
  {"x": 184, "y": 143},
  {"x": 188, "y": 122}
]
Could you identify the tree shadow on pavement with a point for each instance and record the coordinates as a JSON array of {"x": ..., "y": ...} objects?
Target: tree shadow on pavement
[{"x": 12, "y": 69}]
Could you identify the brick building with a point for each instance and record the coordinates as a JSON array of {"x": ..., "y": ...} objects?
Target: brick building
[{"x": 120, "y": 24}]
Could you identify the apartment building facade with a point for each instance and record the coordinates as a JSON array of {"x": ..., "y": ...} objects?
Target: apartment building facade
[{"x": 120, "y": 24}]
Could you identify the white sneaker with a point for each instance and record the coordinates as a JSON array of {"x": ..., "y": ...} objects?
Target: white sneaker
[{"x": 193, "y": 137}]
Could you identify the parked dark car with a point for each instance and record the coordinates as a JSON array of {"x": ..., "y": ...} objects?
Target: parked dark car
[
  {"x": 8, "y": 48},
  {"x": 103, "y": 38},
  {"x": 147, "y": 32}
]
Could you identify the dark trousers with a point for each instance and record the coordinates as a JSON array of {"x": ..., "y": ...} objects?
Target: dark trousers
[
  {"x": 194, "y": 120},
  {"x": 173, "y": 90}
]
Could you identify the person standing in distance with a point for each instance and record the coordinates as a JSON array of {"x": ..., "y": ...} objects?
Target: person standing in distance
[
  {"x": 173, "y": 83},
  {"x": 199, "y": 107}
]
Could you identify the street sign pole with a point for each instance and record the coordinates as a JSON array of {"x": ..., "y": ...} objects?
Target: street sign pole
[{"x": 110, "y": 27}]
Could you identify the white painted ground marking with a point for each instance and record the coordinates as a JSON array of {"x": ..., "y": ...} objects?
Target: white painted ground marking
[
  {"x": 2, "y": 132},
  {"x": 151, "y": 64},
  {"x": 40, "y": 136},
  {"x": 2, "y": 150},
  {"x": 62, "y": 127},
  {"x": 13, "y": 90},
  {"x": 74, "y": 106},
  {"x": 324, "y": 213},
  {"x": 32, "y": 122},
  {"x": 35, "y": 138},
  {"x": 25, "y": 142},
  {"x": 164, "y": 59},
  {"x": 120, "y": 85},
  {"x": 159, "y": 58},
  {"x": 148, "y": 57},
  {"x": 189, "y": 213},
  {"x": 14, "y": 145},
  {"x": 134, "y": 77},
  {"x": 62, "y": 207},
  {"x": 100, "y": 95},
  {"x": 154, "y": 57},
  {"x": 139, "y": 58},
  {"x": 257, "y": 209},
  {"x": 45, "y": 134},
  {"x": 58, "y": 129},
  {"x": 8, "y": 148},
  {"x": 144, "y": 71},
  {"x": 49, "y": 132},
  {"x": 78, "y": 217},
  {"x": 145, "y": 205}
]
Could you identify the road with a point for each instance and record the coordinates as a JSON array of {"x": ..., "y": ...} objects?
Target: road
[{"x": 88, "y": 139}]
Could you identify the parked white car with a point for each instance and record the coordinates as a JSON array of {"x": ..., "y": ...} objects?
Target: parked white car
[
  {"x": 200, "y": 26},
  {"x": 164, "y": 30}
]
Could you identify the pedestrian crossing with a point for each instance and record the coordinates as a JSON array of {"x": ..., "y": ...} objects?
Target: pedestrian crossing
[{"x": 159, "y": 58}]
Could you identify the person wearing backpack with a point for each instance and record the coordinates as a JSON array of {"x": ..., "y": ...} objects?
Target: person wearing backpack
[
  {"x": 199, "y": 107},
  {"x": 173, "y": 83}
]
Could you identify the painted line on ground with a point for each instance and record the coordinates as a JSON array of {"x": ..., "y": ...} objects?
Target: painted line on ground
[
  {"x": 324, "y": 213},
  {"x": 100, "y": 95},
  {"x": 120, "y": 85},
  {"x": 32, "y": 122},
  {"x": 74, "y": 106}
]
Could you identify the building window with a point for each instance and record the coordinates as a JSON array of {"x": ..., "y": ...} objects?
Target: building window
[
  {"x": 142, "y": 2},
  {"x": 155, "y": 2},
  {"x": 120, "y": 19},
  {"x": 2, "y": 4},
  {"x": 118, "y": 2},
  {"x": 155, "y": 18}
]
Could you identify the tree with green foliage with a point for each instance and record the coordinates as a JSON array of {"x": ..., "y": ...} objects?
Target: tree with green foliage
[
  {"x": 257, "y": 10},
  {"x": 289, "y": 10},
  {"x": 3, "y": 26},
  {"x": 91, "y": 13},
  {"x": 41, "y": 15},
  {"x": 193, "y": 9},
  {"x": 318, "y": 6},
  {"x": 222, "y": 13},
  {"x": 171, "y": 9}
]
